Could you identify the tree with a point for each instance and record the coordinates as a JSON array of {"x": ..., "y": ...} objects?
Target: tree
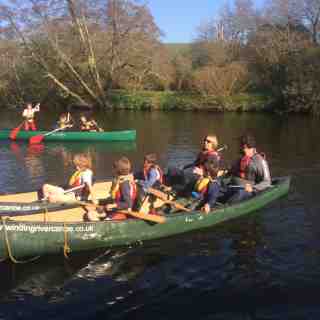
[
  {"x": 311, "y": 13},
  {"x": 81, "y": 46}
]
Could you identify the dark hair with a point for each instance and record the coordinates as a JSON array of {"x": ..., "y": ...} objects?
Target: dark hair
[
  {"x": 151, "y": 158},
  {"x": 122, "y": 166},
  {"x": 249, "y": 140},
  {"x": 212, "y": 167}
]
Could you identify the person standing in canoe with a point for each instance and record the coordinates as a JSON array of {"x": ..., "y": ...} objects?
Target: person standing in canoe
[
  {"x": 89, "y": 125},
  {"x": 80, "y": 184},
  {"x": 123, "y": 194},
  {"x": 250, "y": 172},
  {"x": 28, "y": 115}
]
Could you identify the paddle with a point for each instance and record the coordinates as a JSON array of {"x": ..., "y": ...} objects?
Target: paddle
[
  {"x": 14, "y": 132},
  {"x": 164, "y": 197},
  {"x": 136, "y": 214},
  {"x": 38, "y": 138}
]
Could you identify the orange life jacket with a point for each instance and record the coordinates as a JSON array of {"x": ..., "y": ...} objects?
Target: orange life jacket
[
  {"x": 75, "y": 179},
  {"x": 116, "y": 190}
]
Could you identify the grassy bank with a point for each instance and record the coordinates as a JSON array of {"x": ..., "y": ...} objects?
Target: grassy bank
[{"x": 169, "y": 100}]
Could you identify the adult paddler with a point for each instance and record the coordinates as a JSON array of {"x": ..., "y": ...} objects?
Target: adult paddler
[
  {"x": 28, "y": 115},
  {"x": 208, "y": 151},
  {"x": 250, "y": 172}
]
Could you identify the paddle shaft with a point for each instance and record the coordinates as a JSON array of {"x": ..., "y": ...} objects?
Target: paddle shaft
[
  {"x": 40, "y": 137},
  {"x": 139, "y": 215},
  {"x": 164, "y": 197}
]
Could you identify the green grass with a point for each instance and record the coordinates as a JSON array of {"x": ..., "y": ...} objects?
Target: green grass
[{"x": 170, "y": 100}]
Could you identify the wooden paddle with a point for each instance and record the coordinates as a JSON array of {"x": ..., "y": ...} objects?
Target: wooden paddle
[
  {"x": 14, "y": 132},
  {"x": 164, "y": 197},
  {"x": 136, "y": 214},
  {"x": 38, "y": 138}
]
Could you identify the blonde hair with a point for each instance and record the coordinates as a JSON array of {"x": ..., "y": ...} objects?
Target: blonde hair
[
  {"x": 83, "y": 161},
  {"x": 214, "y": 140}
]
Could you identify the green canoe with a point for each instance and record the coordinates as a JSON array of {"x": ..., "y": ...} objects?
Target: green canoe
[
  {"x": 35, "y": 238},
  {"x": 124, "y": 135}
]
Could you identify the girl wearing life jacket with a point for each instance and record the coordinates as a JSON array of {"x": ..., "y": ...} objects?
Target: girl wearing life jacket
[
  {"x": 251, "y": 171},
  {"x": 80, "y": 183},
  {"x": 152, "y": 173},
  {"x": 28, "y": 114}
]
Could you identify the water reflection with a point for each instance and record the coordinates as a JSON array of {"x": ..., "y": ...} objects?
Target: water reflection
[
  {"x": 264, "y": 266},
  {"x": 25, "y": 167}
]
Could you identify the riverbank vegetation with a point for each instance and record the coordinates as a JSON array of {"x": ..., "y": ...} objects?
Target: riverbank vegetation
[{"x": 108, "y": 53}]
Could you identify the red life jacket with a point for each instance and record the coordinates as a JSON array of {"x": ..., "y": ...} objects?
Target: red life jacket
[
  {"x": 133, "y": 192},
  {"x": 244, "y": 163},
  {"x": 204, "y": 155},
  {"x": 147, "y": 170}
]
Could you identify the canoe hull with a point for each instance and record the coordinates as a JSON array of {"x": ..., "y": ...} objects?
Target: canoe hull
[
  {"x": 124, "y": 135},
  {"x": 25, "y": 239}
]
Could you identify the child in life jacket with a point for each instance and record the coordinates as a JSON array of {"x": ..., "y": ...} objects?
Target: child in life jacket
[
  {"x": 65, "y": 121},
  {"x": 79, "y": 186},
  {"x": 208, "y": 187},
  {"x": 89, "y": 125},
  {"x": 28, "y": 115},
  {"x": 152, "y": 175},
  {"x": 123, "y": 193}
]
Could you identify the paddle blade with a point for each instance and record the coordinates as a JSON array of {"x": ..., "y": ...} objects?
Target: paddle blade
[
  {"x": 14, "y": 133},
  {"x": 36, "y": 139}
]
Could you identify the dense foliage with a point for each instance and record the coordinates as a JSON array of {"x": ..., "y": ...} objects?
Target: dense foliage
[{"x": 109, "y": 53}]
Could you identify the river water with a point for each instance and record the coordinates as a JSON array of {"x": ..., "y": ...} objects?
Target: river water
[{"x": 262, "y": 266}]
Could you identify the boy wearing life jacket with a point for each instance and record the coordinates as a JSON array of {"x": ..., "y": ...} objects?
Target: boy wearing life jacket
[
  {"x": 28, "y": 114},
  {"x": 209, "y": 185},
  {"x": 251, "y": 171},
  {"x": 80, "y": 183},
  {"x": 123, "y": 193},
  {"x": 152, "y": 175}
]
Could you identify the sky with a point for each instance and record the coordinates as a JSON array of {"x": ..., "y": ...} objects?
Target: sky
[{"x": 179, "y": 19}]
